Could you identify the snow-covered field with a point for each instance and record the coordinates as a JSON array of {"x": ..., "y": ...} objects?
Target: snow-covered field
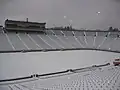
[{"x": 24, "y": 64}]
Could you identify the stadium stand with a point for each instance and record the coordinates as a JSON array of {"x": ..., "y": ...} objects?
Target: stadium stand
[
  {"x": 96, "y": 77},
  {"x": 59, "y": 40},
  {"x": 101, "y": 77},
  {"x": 55, "y": 39}
]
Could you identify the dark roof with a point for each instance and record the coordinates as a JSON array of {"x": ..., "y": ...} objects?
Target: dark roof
[{"x": 14, "y": 21}]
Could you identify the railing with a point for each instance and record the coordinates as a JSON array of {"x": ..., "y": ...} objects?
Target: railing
[{"x": 50, "y": 50}]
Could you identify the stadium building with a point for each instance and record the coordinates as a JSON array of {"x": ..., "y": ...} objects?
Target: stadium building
[
  {"x": 104, "y": 76},
  {"x": 12, "y": 25}
]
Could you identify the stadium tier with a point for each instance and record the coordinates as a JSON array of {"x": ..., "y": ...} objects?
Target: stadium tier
[
  {"x": 103, "y": 77},
  {"x": 56, "y": 40}
]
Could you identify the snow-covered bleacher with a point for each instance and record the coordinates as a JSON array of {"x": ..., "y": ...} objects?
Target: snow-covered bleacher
[
  {"x": 90, "y": 78},
  {"x": 60, "y": 40}
]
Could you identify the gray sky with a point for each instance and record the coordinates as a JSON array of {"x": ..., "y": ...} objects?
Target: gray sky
[{"x": 81, "y": 12}]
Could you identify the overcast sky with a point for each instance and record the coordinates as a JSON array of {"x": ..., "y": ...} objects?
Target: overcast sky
[{"x": 83, "y": 13}]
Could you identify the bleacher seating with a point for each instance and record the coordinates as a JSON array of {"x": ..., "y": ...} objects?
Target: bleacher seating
[
  {"x": 60, "y": 39},
  {"x": 90, "y": 78},
  {"x": 95, "y": 78}
]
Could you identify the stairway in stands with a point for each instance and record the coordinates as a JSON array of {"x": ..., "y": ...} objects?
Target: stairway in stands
[{"x": 91, "y": 78}]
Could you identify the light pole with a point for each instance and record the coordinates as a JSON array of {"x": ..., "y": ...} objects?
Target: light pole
[
  {"x": 69, "y": 21},
  {"x": 65, "y": 17},
  {"x": 98, "y": 13}
]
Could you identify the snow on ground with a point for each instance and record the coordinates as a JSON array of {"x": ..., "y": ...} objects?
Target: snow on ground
[{"x": 24, "y": 64}]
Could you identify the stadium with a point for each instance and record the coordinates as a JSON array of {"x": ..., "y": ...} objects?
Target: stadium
[{"x": 40, "y": 58}]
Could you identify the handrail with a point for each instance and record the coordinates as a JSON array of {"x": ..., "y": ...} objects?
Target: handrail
[
  {"x": 15, "y": 79},
  {"x": 38, "y": 30},
  {"x": 80, "y": 30}
]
